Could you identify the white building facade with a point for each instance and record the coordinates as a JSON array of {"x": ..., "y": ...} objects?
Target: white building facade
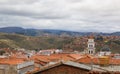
[{"x": 91, "y": 46}]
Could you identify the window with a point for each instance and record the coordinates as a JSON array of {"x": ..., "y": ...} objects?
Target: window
[
  {"x": 90, "y": 45},
  {"x": 89, "y": 52}
]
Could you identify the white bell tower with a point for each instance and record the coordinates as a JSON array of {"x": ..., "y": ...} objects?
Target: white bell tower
[{"x": 91, "y": 46}]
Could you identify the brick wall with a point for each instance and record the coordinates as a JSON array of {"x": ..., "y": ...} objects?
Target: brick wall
[{"x": 63, "y": 69}]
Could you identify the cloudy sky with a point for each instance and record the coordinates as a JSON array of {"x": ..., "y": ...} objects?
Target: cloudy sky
[{"x": 74, "y": 15}]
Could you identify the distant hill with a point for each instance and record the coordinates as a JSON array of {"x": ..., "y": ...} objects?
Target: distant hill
[
  {"x": 14, "y": 41},
  {"x": 12, "y": 30},
  {"x": 18, "y": 30},
  {"x": 30, "y": 42},
  {"x": 116, "y": 33},
  {"x": 49, "y": 32}
]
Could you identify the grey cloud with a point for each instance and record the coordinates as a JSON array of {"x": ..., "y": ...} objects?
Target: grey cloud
[
  {"x": 11, "y": 2},
  {"x": 33, "y": 13},
  {"x": 76, "y": 15}
]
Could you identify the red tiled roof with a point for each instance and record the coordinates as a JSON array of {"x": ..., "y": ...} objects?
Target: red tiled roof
[
  {"x": 115, "y": 61},
  {"x": 76, "y": 56},
  {"x": 87, "y": 59},
  {"x": 11, "y": 61},
  {"x": 44, "y": 59},
  {"x": 63, "y": 56}
]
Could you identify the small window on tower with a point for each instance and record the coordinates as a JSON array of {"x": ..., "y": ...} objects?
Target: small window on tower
[
  {"x": 90, "y": 45},
  {"x": 89, "y": 52}
]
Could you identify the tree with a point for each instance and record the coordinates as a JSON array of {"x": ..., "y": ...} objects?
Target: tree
[{"x": 2, "y": 52}]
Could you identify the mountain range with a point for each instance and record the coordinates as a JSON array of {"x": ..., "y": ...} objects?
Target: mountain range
[
  {"x": 17, "y": 37},
  {"x": 42, "y": 32}
]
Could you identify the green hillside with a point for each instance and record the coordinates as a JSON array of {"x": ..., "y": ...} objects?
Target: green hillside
[
  {"x": 47, "y": 42},
  {"x": 29, "y": 42}
]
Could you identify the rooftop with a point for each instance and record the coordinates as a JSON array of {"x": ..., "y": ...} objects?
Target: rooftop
[{"x": 11, "y": 61}]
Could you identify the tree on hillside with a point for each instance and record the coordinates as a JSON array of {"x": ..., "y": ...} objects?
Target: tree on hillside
[{"x": 2, "y": 52}]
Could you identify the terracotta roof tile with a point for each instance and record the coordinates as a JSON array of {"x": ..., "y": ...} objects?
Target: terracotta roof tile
[
  {"x": 11, "y": 61},
  {"x": 115, "y": 61},
  {"x": 76, "y": 56},
  {"x": 88, "y": 59}
]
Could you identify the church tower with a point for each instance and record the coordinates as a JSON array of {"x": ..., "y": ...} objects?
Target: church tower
[{"x": 91, "y": 46}]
